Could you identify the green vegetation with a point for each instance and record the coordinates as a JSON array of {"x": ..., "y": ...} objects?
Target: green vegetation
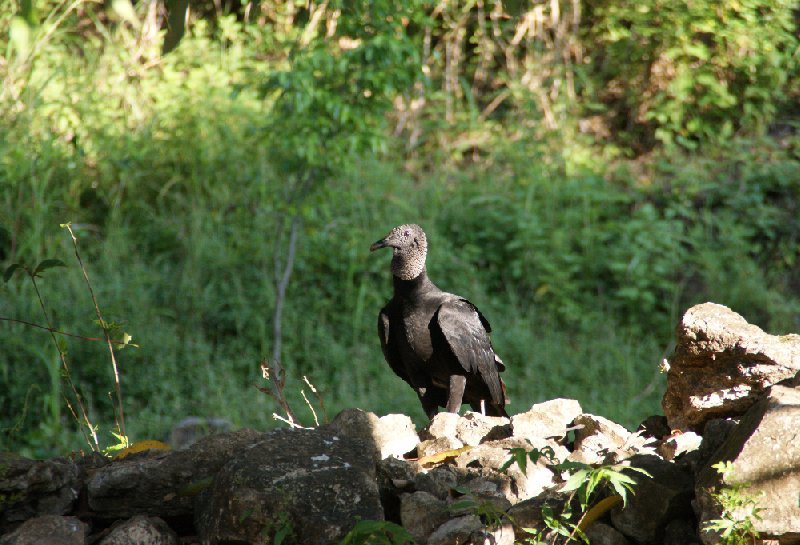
[
  {"x": 739, "y": 511},
  {"x": 584, "y": 174}
]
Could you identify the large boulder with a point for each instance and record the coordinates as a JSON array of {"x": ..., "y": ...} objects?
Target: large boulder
[
  {"x": 722, "y": 365},
  {"x": 141, "y": 530},
  {"x": 764, "y": 450},
  {"x": 35, "y": 487},
  {"x": 48, "y": 530},
  {"x": 296, "y": 485},
  {"x": 658, "y": 499},
  {"x": 390, "y": 435},
  {"x": 162, "y": 483},
  {"x": 547, "y": 419}
]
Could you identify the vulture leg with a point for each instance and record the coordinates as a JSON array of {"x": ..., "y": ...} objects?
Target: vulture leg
[
  {"x": 456, "y": 392},
  {"x": 429, "y": 401}
]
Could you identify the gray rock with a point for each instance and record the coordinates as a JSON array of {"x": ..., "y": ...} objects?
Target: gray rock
[
  {"x": 35, "y": 487},
  {"x": 442, "y": 425},
  {"x": 141, "y": 530},
  {"x": 190, "y": 429},
  {"x": 596, "y": 438},
  {"x": 681, "y": 532},
  {"x": 390, "y": 435},
  {"x": 421, "y": 513},
  {"x": 656, "y": 501},
  {"x": 309, "y": 486},
  {"x": 679, "y": 444},
  {"x": 495, "y": 454},
  {"x": 600, "y": 533},
  {"x": 528, "y": 513},
  {"x": 48, "y": 530},
  {"x": 455, "y": 531},
  {"x": 431, "y": 447},
  {"x": 544, "y": 420},
  {"x": 162, "y": 483},
  {"x": 438, "y": 481},
  {"x": 765, "y": 452},
  {"x": 474, "y": 428},
  {"x": 502, "y": 535},
  {"x": 722, "y": 365}
]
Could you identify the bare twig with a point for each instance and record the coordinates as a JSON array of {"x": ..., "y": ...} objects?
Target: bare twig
[
  {"x": 319, "y": 398},
  {"x": 275, "y": 376},
  {"x": 282, "y": 284},
  {"x": 109, "y": 342}
]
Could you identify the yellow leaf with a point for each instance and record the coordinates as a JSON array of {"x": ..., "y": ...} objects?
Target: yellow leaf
[
  {"x": 141, "y": 446},
  {"x": 442, "y": 456},
  {"x": 598, "y": 510}
]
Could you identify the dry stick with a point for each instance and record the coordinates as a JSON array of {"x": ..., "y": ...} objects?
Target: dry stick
[
  {"x": 117, "y": 387},
  {"x": 319, "y": 399},
  {"x": 283, "y": 282},
  {"x": 68, "y": 375},
  {"x": 276, "y": 391}
]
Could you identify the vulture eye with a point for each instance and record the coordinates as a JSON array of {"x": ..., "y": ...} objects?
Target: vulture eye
[{"x": 406, "y": 233}]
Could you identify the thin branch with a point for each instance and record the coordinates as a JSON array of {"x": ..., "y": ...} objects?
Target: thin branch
[
  {"x": 52, "y": 330},
  {"x": 109, "y": 342},
  {"x": 283, "y": 283}
]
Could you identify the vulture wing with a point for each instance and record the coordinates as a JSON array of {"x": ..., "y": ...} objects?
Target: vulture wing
[
  {"x": 391, "y": 353},
  {"x": 467, "y": 334}
]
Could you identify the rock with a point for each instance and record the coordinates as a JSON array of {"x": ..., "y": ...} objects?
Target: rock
[
  {"x": 395, "y": 477},
  {"x": 655, "y": 426},
  {"x": 544, "y": 420},
  {"x": 656, "y": 501},
  {"x": 721, "y": 365},
  {"x": 430, "y": 447},
  {"x": 603, "y": 534},
  {"x": 421, "y": 513},
  {"x": 163, "y": 483},
  {"x": 764, "y": 450},
  {"x": 48, "y": 530},
  {"x": 35, "y": 487},
  {"x": 192, "y": 428},
  {"x": 442, "y": 425},
  {"x": 715, "y": 432},
  {"x": 141, "y": 530},
  {"x": 528, "y": 513},
  {"x": 596, "y": 438},
  {"x": 679, "y": 444},
  {"x": 681, "y": 531},
  {"x": 306, "y": 486},
  {"x": 438, "y": 481},
  {"x": 502, "y": 535},
  {"x": 455, "y": 531},
  {"x": 494, "y": 455},
  {"x": 390, "y": 435},
  {"x": 474, "y": 428}
]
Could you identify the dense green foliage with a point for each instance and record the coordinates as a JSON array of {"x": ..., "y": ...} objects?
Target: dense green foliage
[{"x": 184, "y": 173}]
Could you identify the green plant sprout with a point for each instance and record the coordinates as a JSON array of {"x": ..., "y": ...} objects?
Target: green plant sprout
[{"x": 739, "y": 511}]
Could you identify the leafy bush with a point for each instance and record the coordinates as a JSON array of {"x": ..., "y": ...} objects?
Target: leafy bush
[{"x": 694, "y": 72}]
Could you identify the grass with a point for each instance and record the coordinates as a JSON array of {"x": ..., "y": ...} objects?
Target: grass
[{"x": 166, "y": 171}]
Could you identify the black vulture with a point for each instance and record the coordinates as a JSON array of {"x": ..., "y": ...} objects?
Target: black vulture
[{"x": 437, "y": 342}]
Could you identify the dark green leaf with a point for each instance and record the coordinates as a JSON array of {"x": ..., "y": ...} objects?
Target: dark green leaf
[
  {"x": 47, "y": 264},
  {"x": 11, "y": 270}
]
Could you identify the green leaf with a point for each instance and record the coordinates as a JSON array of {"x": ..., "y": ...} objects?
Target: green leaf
[
  {"x": 11, "y": 270},
  {"x": 48, "y": 264}
]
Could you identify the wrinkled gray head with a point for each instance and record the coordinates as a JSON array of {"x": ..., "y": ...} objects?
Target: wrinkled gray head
[{"x": 409, "y": 248}]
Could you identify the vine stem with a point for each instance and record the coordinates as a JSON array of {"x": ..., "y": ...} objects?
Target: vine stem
[{"x": 109, "y": 342}]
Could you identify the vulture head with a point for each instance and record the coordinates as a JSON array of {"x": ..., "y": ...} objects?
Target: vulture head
[{"x": 409, "y": 248}]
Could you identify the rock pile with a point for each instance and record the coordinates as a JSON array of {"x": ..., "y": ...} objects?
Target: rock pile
[{"x": 451, "y": 482}]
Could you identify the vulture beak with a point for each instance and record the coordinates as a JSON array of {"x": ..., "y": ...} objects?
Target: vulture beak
[{"x": 378, "y": 245}]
